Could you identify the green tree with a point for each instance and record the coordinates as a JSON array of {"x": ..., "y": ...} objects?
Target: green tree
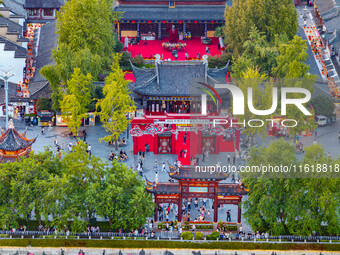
[
  {"x": 8, "y": 213},
  {"x": 273, "y": 18},
  {"x": 50, "y": 73},
  {"x": 294, "y": 202},
  {"x": 116, "y": 103},
  {"x": 86, "y": 41},
  {"x": 121, "y": 196},
  {"x": 74, "y": 104},
  {"x": 258, "y": 52},
  {"x": 323, "y": 105},
  {"x": 219, "y": 31},
  {"x": 260, "y": 98},
  {"x": 43, "y": 104},
  {"x": 32, "y": 183},
  {"x": 88, "y": 24},
  {"x": 290, "y": 61}
]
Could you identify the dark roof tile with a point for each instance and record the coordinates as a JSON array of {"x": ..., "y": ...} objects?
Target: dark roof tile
[
  {"x": 181, "y": 12},
  {"x": 47, "y": 41},
  {"x": 11, "y": 140},
  {"x": 11, "y": 26},
  {"x": 43, "y": 4},
  {"x": 176, "y": 78}
]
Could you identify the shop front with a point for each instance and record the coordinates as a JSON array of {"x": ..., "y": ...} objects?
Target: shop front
[{"x": 45, "y": 118}]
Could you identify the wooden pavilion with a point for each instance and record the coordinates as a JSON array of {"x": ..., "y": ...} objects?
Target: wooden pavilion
[{"x": 14, "y": 145}]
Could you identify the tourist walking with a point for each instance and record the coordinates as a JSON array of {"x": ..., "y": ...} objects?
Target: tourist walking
[
  {"x": 163, "y": 167},
  {"x": 155, "y": 167},
  {"x": 228, "y": 216}
]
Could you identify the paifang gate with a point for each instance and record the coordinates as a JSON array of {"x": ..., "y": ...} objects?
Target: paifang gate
[{"x": 193, "y": 184}]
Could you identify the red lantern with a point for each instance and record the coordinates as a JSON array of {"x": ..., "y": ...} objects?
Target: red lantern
[
  {"x": 116, "y": 21},
  {"x": 195, "y": 21},
  {"x": 180, "y": 21},
  {"x": 164, "y": 21},
  {"x": 133, "y": 22},
  {"x": 212, "y": 22},
  {"x": 149, "y": 21}
]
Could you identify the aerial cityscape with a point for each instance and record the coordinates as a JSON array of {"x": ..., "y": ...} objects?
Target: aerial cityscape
[{"x": 136, "y": 127}]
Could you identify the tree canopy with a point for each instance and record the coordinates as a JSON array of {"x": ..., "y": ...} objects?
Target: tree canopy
[
  {"x": 273, "y": 18},
  {"x": 86, "y": 40},
  {"x": 323, "y": 105},
  {"x": 71, "y": 189},
  {"x": 116, "y": 104},
  {"x": 294, "y": 202}
]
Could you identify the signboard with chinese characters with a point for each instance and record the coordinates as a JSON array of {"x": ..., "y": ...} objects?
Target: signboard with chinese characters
[{"x": 198, "y": 189}]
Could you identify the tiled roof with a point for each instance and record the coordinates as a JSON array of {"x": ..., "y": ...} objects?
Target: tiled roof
[
  {"x": 176, "y": 78},
  {"x": 227, "y": 189},
  {"x": 12, "y": 90},
  {"x": 16, "y": 6},
  {"x": 11, "y": 140},
  {"x": 43, "y": 4},
  {"x": 20, "y": 52},
  {"x": 324, "y": 5},
  {"x": 181, "y": 12},
  {"x": 47, "y": 41},
  {"x": 11, "y": 26},
  {"x": 189, "y": 172}
]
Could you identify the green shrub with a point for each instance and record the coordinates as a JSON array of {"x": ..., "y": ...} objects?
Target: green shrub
[
  {"x": 138, "y": 61},
  {"x": 220, "y": 224},
  {"x": 187, "y": 235},
  {"x": 199, "y": 236},
  {"x": 119, "y": 45},
  {"x": 213, "y": 235},
  {"x": 139, "y": 244},
  {"x": 44, "y": 104}
]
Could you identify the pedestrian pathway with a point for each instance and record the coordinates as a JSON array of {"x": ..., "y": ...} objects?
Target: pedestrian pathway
[{"x": 320, "y": 53}]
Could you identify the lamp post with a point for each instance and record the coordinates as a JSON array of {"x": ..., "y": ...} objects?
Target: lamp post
[{"x": 6, "y": 76}]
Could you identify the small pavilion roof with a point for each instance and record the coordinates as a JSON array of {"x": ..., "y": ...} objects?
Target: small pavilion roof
[{"x": 11, "y": 140}]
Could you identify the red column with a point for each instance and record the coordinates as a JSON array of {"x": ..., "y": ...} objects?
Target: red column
[
  {"x": 215, "y": 204},
  {"x": 155, "y": 142},
  {"x": 215, "y": 207},
  {"x": 156, "y": 211},
  {"x": 135, "y": 144},
  {"x": 180, "y": 203},
  {"x": 41, "y": 17},
  {"x": 239, "y": 213}
]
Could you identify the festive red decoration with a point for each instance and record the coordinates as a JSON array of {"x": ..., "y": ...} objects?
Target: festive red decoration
[
  {"x": 149, "y": 21},
  {"x": 180, "y": 21},
  {"x": 212, "y": 22},
  {"x": 116, "y": 21},
  {"x": 164, "y": 21},
  {"x": 133, "y": 22},
  {"x": 195, "y": 21}
]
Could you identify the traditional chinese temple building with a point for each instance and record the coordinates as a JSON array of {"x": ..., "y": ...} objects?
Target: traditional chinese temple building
[
  {"x": 199, "y": 18},
  {"x": 170, "y": 119},
  {"x": 41, "y": 11},
  {"x": 194, "y": 184},
  {"x": 14, "y": 145}
]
